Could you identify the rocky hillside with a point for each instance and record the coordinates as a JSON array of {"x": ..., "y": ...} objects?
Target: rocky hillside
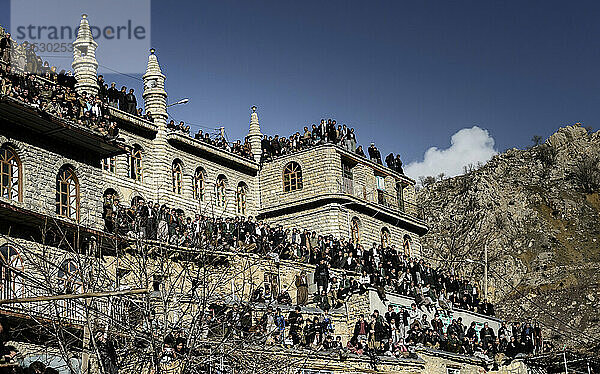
[{"x": 537, "y": 211}]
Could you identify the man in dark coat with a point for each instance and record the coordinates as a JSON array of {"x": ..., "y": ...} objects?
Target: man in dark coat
[
  {"x": 322, "y": 276},
  {"x": 123, "y": 98},
  {"x": 487, "y": 336},
  {"x": 398, "y": 165},
  {"x": 390, "y": 161},
  {"x": 131, "y": 102},
  {"x": 265, "y": 144},
  {"x": 295, "y": 321},
  {"x": 113, "y": 96},
  {"x": 5, "y": 48},
  {"x": 374, "y": 154}
]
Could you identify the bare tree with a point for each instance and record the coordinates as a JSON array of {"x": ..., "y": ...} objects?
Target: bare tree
[{"x": 117, "y": 304}]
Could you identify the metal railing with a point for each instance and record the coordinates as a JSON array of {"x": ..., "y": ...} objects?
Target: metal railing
[
  {"x": 390, "y": 201},
  {"x": 71, "y": 311}
]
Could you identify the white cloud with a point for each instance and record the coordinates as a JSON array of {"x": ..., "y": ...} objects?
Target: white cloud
[{"x": 467, "y": 146}]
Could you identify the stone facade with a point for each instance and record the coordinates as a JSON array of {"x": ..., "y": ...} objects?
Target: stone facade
[{"x": 338, "y": 187}]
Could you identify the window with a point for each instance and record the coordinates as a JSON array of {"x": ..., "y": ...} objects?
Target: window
[
  {"x": 380, "y": 182},
  {"x": 240, "y": 197},
  {"x": 347, "y": 178},
  {"x": 385, "y": 237},
  {"x": 292, "y": 177},
  {"x": 67, "y": 193},
  {"x": 220, "y": 190},
  {"x": 10, "y": 174},
  {"x": 199, "y": 184},
  {"x": 135, "y": 163},
  {"x": 177, "y": 173},
  {"x": 110, "y": 164},
  {"x": 355, "y": 230},
  {"x": 380, "y": 189},
  {"x": 400, "y": 196},
  {"x": 11, "y": 270},
  {"x": 69, "y": 282},
  {"x": 406, "y": 245}
]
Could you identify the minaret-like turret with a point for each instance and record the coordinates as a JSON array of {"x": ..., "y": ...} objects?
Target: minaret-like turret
[
  {"x": 254, "y": 135},
  {"x": 85, "y": 66},
  {"x": 155, "y": 96}
]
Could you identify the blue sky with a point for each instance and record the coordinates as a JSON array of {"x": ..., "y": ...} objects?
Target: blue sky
[{"x": 406, "y": 74}]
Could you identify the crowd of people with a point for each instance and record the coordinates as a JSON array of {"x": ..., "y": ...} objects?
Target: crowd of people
[
  {"x": 326, "y": 132},
  {"x": 220, "y": 141},
  {"x": 382, "y": 265},
  {"x": 42, "y": 87},
  {"x": 396, "y": 331},
  {"x": 59, "y": 100}
]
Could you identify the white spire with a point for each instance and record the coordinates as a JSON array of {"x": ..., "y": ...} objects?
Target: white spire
[
  {"x": 155, "y": 96},
  {"x": 85, "y": 66},
  {"x": 254, "y": 135}
]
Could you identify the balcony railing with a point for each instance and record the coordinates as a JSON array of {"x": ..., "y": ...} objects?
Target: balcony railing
[
  {"x": 69, "y": 311},
  {"x": 385, "y": 199}
]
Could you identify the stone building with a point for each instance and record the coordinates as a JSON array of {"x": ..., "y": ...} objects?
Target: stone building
[{"x": 55, "y": 171}]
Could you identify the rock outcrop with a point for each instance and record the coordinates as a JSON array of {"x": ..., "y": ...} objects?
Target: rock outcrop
[{"x": 537, "y": 211}]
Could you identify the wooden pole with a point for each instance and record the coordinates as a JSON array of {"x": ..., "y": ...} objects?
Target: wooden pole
[{"x": 85, "y": 295}]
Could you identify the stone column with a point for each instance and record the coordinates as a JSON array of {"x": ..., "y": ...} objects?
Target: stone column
[
  {"x": 85, "y": 66},
  {"x": 155, "y": 103},
  {"x": 254, "y": 135}
]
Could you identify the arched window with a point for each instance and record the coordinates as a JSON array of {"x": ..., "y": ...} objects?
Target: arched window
[
  {"x": 136, "y": 170},
  {"x": 67, "y": 193},
  {"x": 177, "y": 173},
  {"x": 240, "y": 197},
  {"x": 385, "y": 237},
  {"x": 220, "y": 190},
  {"x": 11, "y": 270},
  {"x": 355, "y": 230},
  {"x": 199, "y": 184},
  {"x": 70, "y": 282},
  {"x": 10, "y": 174},
  {"x": 292, "y": 177},
  {"x": 407, "y": 246}
]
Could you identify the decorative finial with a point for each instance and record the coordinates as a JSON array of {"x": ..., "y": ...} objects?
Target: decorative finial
[
  {"x": 253, "y": 108},
  {"x": 84, "y": 16},
  {"x": 152, "y": 50}
]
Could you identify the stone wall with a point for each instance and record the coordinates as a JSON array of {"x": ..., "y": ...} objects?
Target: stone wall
[
  {"x": 321, "y": 169},
  {"x": 335, "y": 219},
  {"x": 40, "y": 167},
  {"x": 158, "y": 187}
]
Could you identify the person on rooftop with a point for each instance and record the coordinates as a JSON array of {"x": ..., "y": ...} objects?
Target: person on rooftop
[
  {"x": 374, "y": 154},
  {"x": 6, "y": 48}
]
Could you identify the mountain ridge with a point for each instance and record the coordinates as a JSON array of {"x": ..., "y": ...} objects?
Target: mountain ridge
[{"x": 537, "y": 212}]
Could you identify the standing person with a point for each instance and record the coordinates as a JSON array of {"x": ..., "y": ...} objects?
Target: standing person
[
  {"x": 163, "y": 227},
  {"x": 390, "y": 161},
  {"x": 131, "y": 102},
  {"x": 302, "y": 288},
  {"x": 374, "y": 154},
  {"x": 322, "y": 276},
  {"x": 280, "y": 324},
  {"x": 5, "y": 48},
  {"x": 113, "y": 96},
  {"x": 123, "y": 99},
  {"x": 295, "y": 321},
  {"x": 398, "y": 165}
]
